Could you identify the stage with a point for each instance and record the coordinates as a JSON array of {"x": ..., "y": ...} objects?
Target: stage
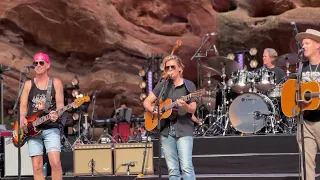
[{"x": 225, "y": 157}]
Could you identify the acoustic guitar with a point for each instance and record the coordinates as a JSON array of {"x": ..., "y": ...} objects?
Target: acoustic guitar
[
  {"x": 151, "y": 120},
  {"x": 309, "y": 97},
  {"x": 38, "y": 118}
]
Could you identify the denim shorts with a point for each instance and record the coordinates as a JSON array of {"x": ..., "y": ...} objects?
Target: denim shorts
[{"x": 49, "y": 137}]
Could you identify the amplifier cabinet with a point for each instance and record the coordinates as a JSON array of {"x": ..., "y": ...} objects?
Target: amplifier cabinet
[
  {"x": 131, "y": 154},
  {"x": 11, "y": 159},
  {"x": 91, "y": 159}
]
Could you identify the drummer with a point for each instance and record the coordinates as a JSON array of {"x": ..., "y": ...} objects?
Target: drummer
[{"x": 269, "y": 55}]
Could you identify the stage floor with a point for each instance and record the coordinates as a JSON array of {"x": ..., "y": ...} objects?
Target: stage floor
[{"x": 229, "y": 157}]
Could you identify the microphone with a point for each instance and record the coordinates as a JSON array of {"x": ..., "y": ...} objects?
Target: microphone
[
  {"x": 257, "y": 115},
  {"x": 129, "y": 164},
  {"x": 212, "y": 34},
  {"x": 167, "y": 76},
  {"x": 29, "y": 66},
  {"x": 301, "y": 50},
  {"x": 293, "y": 23},
  {"x": 94, "y": 95},
  {"x": 215, "y": 50}
]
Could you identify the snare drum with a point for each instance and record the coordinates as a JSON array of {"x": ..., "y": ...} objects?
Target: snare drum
[{"x": 266, "y": 80}]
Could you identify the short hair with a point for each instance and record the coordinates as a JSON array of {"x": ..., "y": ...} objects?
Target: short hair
[
  {"x": 172, "y": 57},
  {"x": 272, "y": 53}
]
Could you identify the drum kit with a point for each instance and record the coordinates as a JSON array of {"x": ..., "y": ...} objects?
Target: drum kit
[{"x": 239, "y": 101}]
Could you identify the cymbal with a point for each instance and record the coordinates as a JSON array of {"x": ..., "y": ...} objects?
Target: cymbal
[
  {"x": 219, "y": 62},
  {"x": 208, "y": 71},
  {"x": 291, "y": 58}
]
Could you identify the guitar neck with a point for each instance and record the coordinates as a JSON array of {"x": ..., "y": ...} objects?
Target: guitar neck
[
  {"x": 45, "y": 118},
  {"x": 171, "y": 105},
  {"x": 312, "y": 95}
]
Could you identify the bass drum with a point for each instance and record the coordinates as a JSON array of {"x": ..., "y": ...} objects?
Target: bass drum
[{"x": 245, "y": 109}]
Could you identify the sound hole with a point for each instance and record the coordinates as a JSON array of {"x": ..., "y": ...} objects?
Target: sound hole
[{"x": 307, "y": 96}]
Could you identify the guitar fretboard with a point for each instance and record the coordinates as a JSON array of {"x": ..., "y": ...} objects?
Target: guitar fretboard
[
  {"x": 45, "y": 118},
  {"x": 170, "y": 106}
]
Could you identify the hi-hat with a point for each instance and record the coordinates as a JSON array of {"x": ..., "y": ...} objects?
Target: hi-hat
[
  {"x": 291, "y": 58},
  {"x": 219, "y": 62}
]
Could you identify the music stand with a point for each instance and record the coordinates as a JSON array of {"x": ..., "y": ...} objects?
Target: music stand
[{"x": 123, "y": 115}]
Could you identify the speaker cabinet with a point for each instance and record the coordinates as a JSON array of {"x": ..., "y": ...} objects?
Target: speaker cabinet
[
  {"x": 129, "y": 156},
  {"x": 11, "y": 159},
  {"x": 91, "y": 159}
]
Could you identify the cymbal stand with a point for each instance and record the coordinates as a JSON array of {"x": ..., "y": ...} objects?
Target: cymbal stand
[
  {"x": 222, "y": 117},
  {"x": 83, "y": 134},
  {"x": 287, "y": 67}
]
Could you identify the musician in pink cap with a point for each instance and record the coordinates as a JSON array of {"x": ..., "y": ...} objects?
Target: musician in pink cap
[{"x": 34, "y": 99}]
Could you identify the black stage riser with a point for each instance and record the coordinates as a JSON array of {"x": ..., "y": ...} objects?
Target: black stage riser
[
  {"x": 242, "y": 144},
  {"x": 267, "y": 164},
  {"x": 153, "y": 178}
]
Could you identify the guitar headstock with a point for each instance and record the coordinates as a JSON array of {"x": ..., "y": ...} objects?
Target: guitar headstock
[
  {"x": 81, "y": 100},
  {"x": 198, "y": 93},
  {"x": 178, "y": 44}
]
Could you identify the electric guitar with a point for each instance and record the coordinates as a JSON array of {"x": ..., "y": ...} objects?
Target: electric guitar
[
  {"x": 36, "y": 119},
  {"x": 151, "y": 120},
  {"x": 290, "y": 100}
]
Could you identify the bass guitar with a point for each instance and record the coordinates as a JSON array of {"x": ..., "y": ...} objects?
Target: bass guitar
[
  {"x": 36, "y": 119},
  {"x": 309, "y": 97},
  {"x": 151, "y": 120}
]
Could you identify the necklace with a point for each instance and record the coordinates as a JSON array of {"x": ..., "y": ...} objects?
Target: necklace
[
  {"x": 312, "y": 73},
  {"x": 45, "y": 87}
]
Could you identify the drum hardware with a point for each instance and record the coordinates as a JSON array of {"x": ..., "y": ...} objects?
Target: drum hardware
[
  {"x": 222, "y": 120},
  {"x": 105, "y": 137},
  {"x": 287, "y": 68},
  {"x": 82, "y": 137}
]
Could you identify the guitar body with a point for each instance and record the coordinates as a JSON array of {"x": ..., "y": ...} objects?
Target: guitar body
[
  {"x": 26, "y": 132},
  {"x": 289, "y": 103},
  {"x": 151, "y": 120}
]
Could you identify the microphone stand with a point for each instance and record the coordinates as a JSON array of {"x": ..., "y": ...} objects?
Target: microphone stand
[
  {"x": 93, "y": 115},
  {"x": 2, "y": 69},
  {"x": 17, "y": 110},
  {"x": 300, "y": 115},
  {"x": 198, "y": 55},
  {"x": 157, "y": 107}
]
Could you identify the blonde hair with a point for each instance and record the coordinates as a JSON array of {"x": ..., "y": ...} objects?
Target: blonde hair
[
  {"x": 172, "y": 57},
  {"x": 272, "y": 53}
]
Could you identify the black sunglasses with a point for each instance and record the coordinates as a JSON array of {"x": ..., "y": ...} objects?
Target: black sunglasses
[
  {"x": 168, "y": 67},
  {"x": 35, "y": 63}
]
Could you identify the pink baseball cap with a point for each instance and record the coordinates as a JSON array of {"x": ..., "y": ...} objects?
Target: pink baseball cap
[{"x": 41, "y": 56}]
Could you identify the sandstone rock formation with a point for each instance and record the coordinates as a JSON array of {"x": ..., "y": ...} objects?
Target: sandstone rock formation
[{"x": 104, "y": 42}]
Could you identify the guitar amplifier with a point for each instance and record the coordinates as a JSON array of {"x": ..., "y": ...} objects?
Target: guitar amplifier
[
  {"x": 131, "y": 154},
  {"x": 11, "y": 159},
  {"x": 93, "y": 159}
]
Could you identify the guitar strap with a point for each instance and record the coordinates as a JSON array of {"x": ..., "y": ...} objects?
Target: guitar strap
[{"x": 48, "y": 96}]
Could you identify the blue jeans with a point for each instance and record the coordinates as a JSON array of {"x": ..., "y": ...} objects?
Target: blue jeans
[
  {"x": 49, "y": 137},
  {"x": 178, "y": 151}
]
